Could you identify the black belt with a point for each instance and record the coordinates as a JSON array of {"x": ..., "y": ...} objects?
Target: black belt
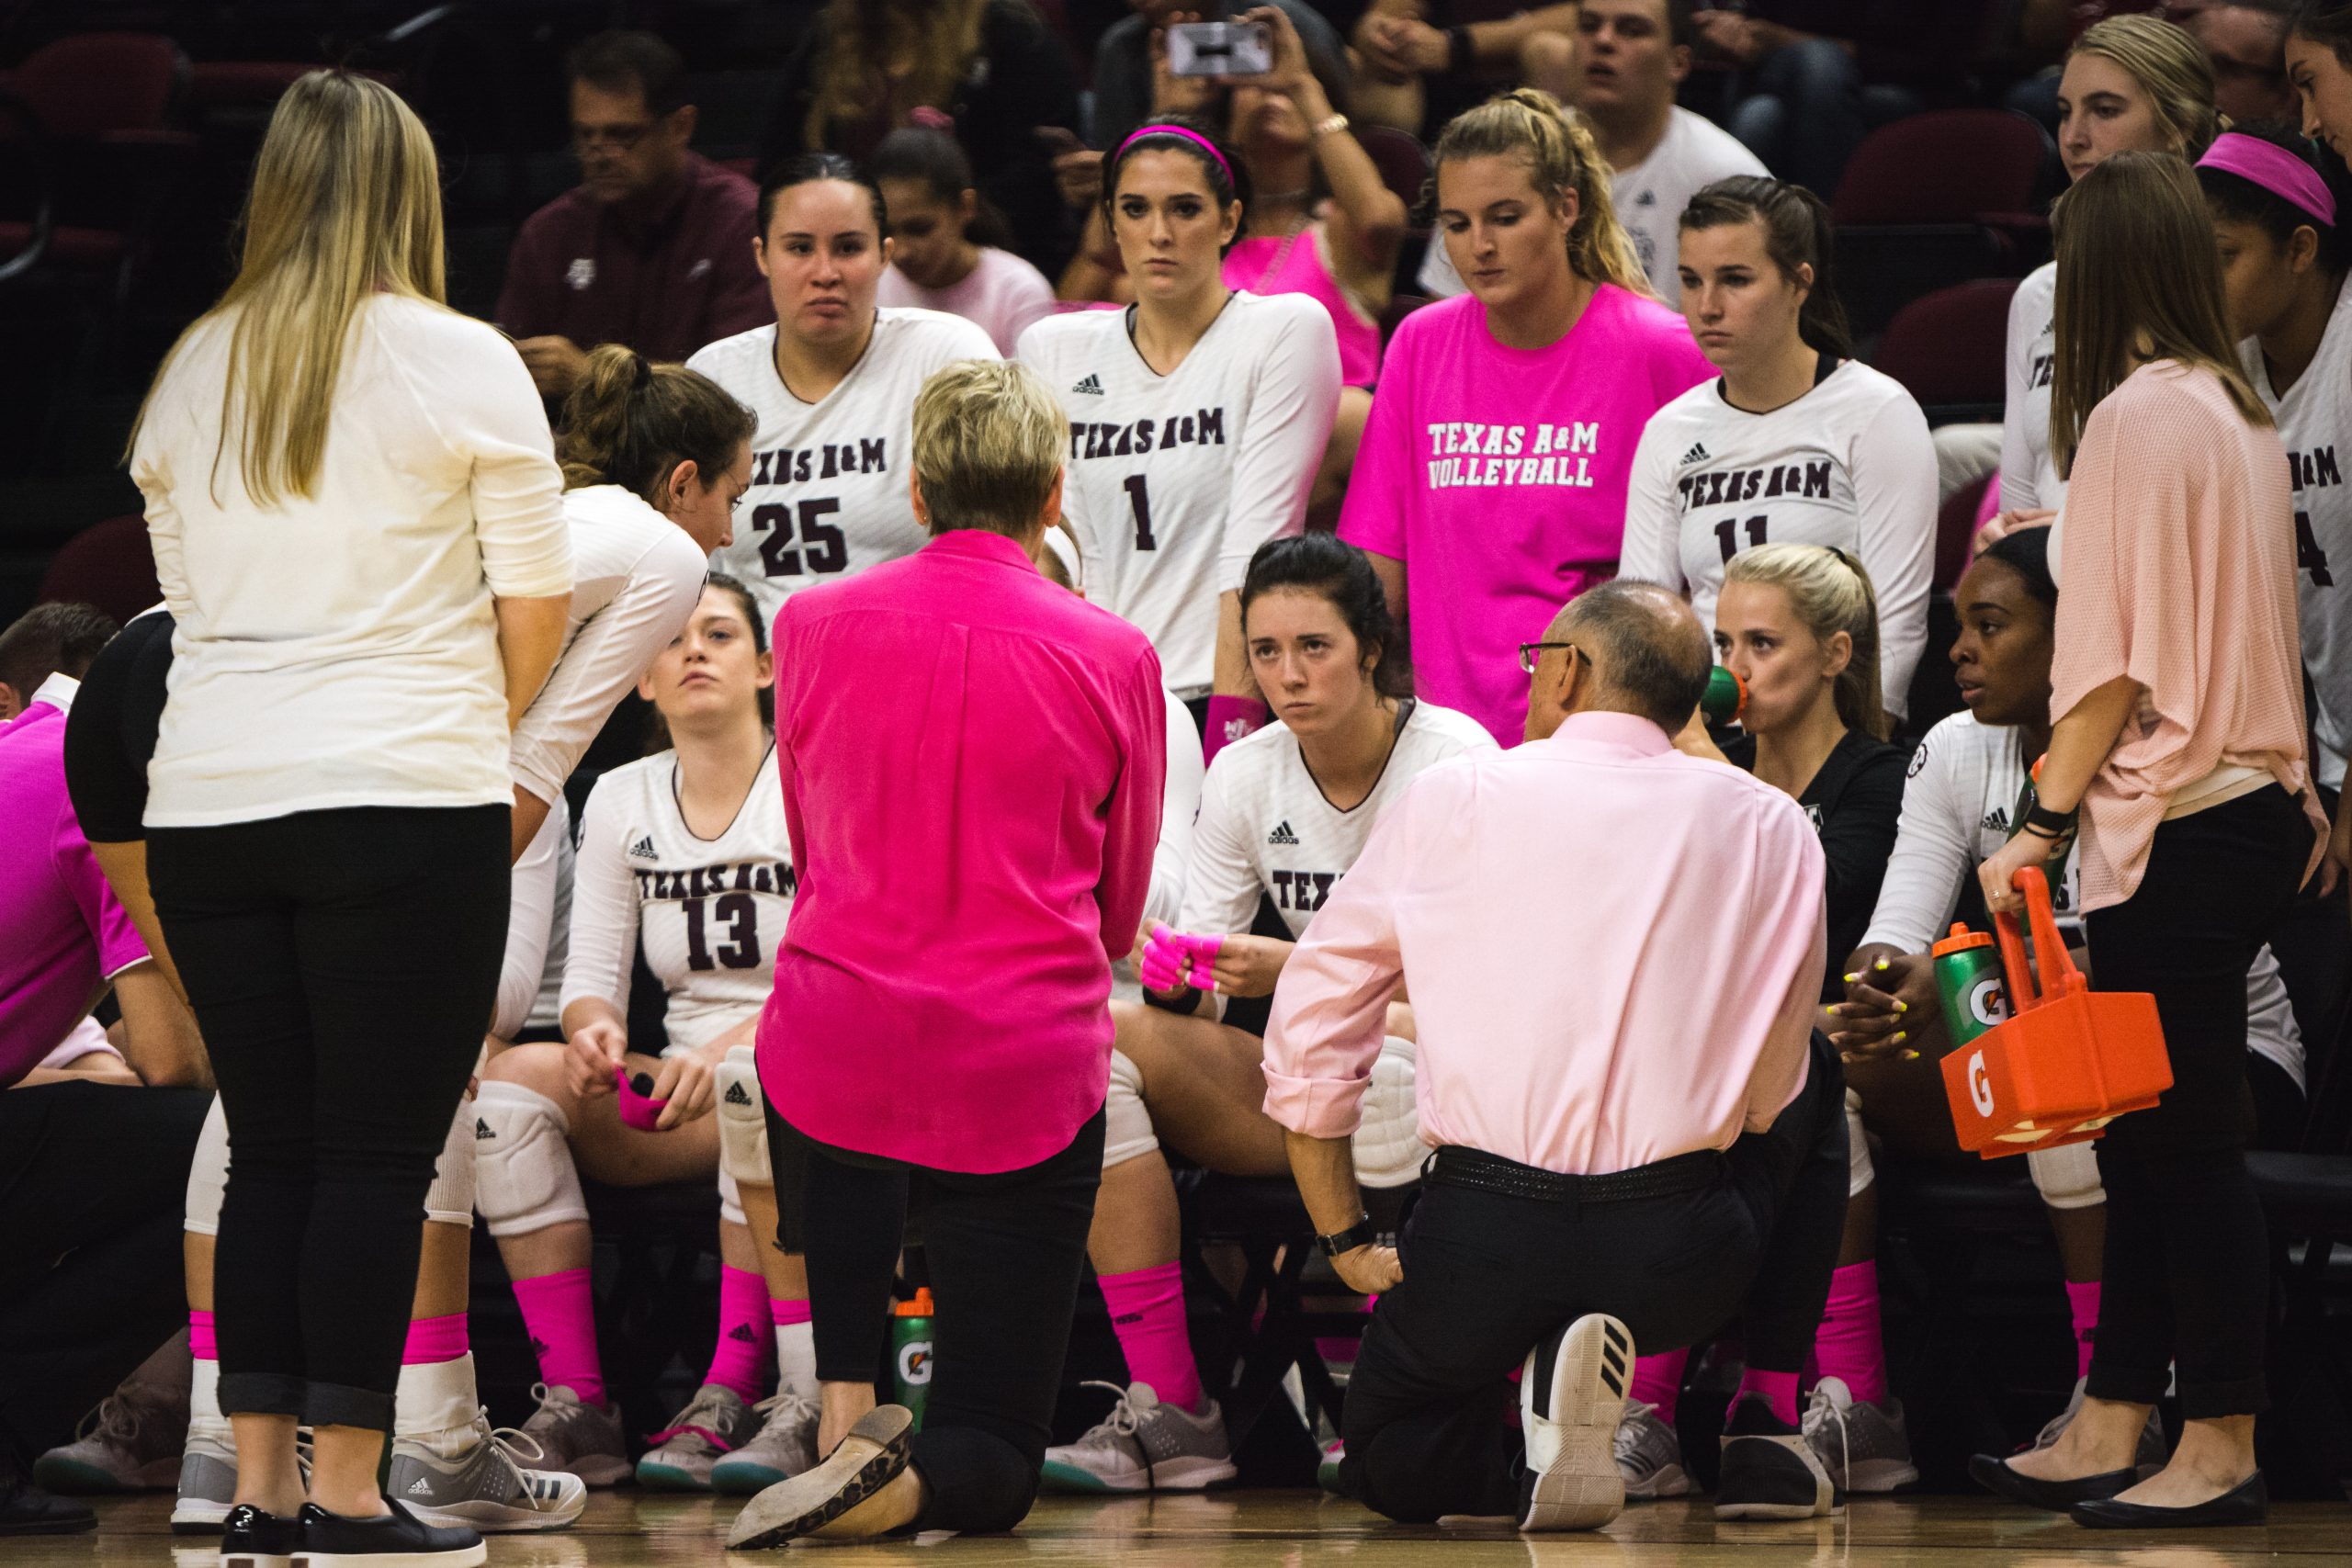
[{"x": 1455, "y": 1166}]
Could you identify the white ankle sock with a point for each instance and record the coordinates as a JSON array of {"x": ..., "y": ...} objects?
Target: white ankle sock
[
  {"x": 795, "y": 1358},
  {"x": 432, "y": 1397}
]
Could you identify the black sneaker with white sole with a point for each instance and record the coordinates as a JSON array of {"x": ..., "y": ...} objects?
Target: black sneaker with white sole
[
  {"x": 1770, "y": 1471},
  {"x": 1571, "y": 1395},
  {"x": 394, "y": 1540},
  {"x": 251, "y": 1537}
]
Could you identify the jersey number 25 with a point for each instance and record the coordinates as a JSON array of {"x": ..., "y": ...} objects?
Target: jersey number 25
[{"x": 827, "y": 549}]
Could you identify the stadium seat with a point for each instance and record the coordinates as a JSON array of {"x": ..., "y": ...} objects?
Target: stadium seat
[
  {"x": 106, "y": 564},
  {"x": 1403, "y": 162},
  {"x": 1946, "y": 349},
  {"x": 1932, "y": 200}
]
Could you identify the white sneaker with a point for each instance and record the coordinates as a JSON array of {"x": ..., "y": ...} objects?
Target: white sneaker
[
  {"x": 1649, "y": 1454},
  {"x": 582, "y": 1439},
  {"x": 1144, "y": 1446},
  {"x": 714, "y": 1424},
  {"x": 208, "y": 1485},
  {"x": 785, "y": 1447},
  {"x": 469, "y": 1477},
  {"x": 1864, "y": 1447},
  {"x": 131, "y": 1442},
  {"x": 1571, "y": 1398}
]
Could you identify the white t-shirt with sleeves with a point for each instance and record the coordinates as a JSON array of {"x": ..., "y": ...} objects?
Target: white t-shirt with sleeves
[
  {"x": 635, "y": 580},
  {"x": 341, "y": 648},
  {"x": 1266, "y": 828},
  {"x": 1964, "y": 782},
  {"x": 2028, "y": 471},
  {"x": 1849, "y": 463},
  {"x": 708, "y": 912},
  {"x": 1175, "y": 481},
  {"x": 2315, "y": 420},
  {"x": 828, "y": 491}
]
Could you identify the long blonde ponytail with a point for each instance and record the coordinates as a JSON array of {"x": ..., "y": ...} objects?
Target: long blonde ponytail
[{"x": 1561, "y": 157}]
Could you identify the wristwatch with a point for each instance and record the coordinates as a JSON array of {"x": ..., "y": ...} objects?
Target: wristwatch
[{"x": 1362, "y": 1234}]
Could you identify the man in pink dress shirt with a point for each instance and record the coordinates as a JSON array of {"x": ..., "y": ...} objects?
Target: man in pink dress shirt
[
  {"x": 1613, "y": 951},
  {"x": 972, "y": 762}
]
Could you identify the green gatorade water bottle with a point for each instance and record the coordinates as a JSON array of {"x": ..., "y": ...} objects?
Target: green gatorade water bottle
[
  {"x": 911, "y": 1352},
  {"x": 1970, "y": 984},
  {"x": 1726, "y": 697}
]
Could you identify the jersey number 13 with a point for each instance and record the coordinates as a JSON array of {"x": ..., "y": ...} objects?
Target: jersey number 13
[{"x": 741, "y": 914}]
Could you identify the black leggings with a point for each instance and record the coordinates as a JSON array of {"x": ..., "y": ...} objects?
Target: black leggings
[
  {"x": 1004, "y": 1253},
  {"x": 2186, "y": 1274},
  {"x": 343, "y": 966}
]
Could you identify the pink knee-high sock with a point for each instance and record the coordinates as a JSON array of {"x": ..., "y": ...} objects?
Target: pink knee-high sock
[
  {"x": 200, "y": 1343},
  {"x": 2082, "y": 1301},
  {"x": 1147, "y": 1315},
  {"x": 432, "y": 1340},
  {"x": 746, "y": 1345},
  {"x": 1778, "y": 1389},
  {"x": 1849, "y": 1345},
  {"x": 1658, "y": 1379},
  {"x": 1343, "y": 1348},
  {"x": 560, "y": 1310}
]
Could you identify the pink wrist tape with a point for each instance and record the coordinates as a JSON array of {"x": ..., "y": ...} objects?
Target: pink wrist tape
[
  {"x": 1172, "y": 958},
  {"x": 1232, "y": 719},
  {"x": 639, "y": 1108}
]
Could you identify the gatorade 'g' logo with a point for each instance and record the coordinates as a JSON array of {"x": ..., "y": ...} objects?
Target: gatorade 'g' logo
[
  {"x": 1986, "y": 1005},
  {"x": 1980, "y": 1088},
  {"x": 914, "y": 1362}
]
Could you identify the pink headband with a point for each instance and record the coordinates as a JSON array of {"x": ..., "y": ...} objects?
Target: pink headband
[
  {"x": 1195, "y": 137},
  {"x": 2273, "y": 168}
]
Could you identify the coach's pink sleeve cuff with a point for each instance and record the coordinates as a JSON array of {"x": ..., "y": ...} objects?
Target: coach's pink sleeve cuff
[{"x": 1318, "y": 1108}]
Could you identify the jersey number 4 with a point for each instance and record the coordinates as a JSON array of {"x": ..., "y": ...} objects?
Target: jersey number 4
[
  {"x": 826, "y": 549},
  {"x": 1727, "y": 534},
  {"x": 740, "y": 949}
]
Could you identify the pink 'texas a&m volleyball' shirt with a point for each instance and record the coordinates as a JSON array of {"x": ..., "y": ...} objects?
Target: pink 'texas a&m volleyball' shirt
[{"x": 1497, "y": 476}]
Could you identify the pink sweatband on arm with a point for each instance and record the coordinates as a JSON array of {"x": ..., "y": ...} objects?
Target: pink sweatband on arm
[{"x": 1232, "y": 719}]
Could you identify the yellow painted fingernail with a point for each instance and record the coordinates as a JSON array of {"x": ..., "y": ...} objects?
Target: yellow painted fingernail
[
  {"x": 1832, "y": 1012},
  {"x": 1910, "y": 1055},
  {"x": 1901, "y": 1007},
  {"x": 1901, "y": 1035},
  {"x": 1852, "y": 978},
  {"x": 1879, "y": 965}
]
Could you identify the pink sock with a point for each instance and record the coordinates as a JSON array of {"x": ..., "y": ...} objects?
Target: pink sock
[
  {"x": 560, "y": 1310},
  {"x": 746, "y": 1335},
  {"x": 1658, "y": 1379},
  {"x": 200, "y": 1343},
  {"x": 1338, "y": 1348},
  {"x": 2083, "y": 1301},
  {"x": 432, "y": 1340},
  {"x": 1147, "y": 1315},
  {"x": 786, "y": 1314},
  {"x": 1778, "y": 1389},
  {"x": 1848, "y": 1344}
]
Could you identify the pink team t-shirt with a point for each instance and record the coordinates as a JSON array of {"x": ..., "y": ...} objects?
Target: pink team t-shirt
[
  {"x": 60, "y": 930},
  {"x": 1498, "y": 475},
  {"x": 1002, "y": 296}
]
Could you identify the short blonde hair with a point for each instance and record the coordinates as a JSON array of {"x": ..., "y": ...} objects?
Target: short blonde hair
[
  {"x": 1830, "y": 594},
  {"x": 989, "y": 435}
]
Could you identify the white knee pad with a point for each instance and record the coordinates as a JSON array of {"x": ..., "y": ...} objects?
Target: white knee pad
[
  {"x": 524, "y": 1178},
  {"x": 742, "y": 1130},
  {"x": 1388, "y": 1147},
  {"x": 1859, "y": 1172},
  {"x": 2067, "y": 1178},
  {"x": 450, "y": 1200},
  {"x": 1126, "y": 1120},
  {"x": 208, "y": 1177}
]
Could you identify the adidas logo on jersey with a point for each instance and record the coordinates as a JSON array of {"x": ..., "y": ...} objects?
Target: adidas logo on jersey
[
  {"x": 1091, "y": 386},
  {"x": 481, "y": 1130},
  {"x": 744, "y": 1332},
  {"x": 642, "y": 848},
  {"x": 1281, "y": 834},
  {"x": 1698, "y": 454}
]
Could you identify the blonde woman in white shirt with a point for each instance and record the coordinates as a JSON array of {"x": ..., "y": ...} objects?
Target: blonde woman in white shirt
[{"x": 358, "y": 524}]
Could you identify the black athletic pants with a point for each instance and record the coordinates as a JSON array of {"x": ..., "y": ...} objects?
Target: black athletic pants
[
  {"x": 2187, "y": 1275},
  {"x": 1004, "y": 1253},
  {"x": 94, "y": 1183},
  {"x": 1487, "y": 1276},
  {"x": 343, "y": 966}
]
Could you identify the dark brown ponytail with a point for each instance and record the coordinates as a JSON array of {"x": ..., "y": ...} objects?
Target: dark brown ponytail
[{"x": 630, "y": 423}]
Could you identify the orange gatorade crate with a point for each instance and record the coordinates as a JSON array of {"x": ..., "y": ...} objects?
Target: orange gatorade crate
[{"x": 2067, "y": 1062}]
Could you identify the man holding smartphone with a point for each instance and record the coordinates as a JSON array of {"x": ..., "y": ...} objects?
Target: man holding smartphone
[{"x": 1123, "y": 64}]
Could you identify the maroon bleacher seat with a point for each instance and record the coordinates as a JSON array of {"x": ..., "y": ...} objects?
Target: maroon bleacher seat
[
  {"x": 107, "y": 564},
  {"x": 1948, "y": 166},
  {"x": 1403, "y": 162},
  {"x": 1955, "y": 530},
  {"x": 1946, "y": 347}
]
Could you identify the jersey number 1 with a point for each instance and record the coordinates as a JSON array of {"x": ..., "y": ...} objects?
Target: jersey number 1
[
  {"x": 827, "y": 549},
  {"x": 2308, "y": 555},
  {"x": 1139, "y": 502},
  {"x": 742, "y": 949},
  {"x": 1727, "y": 534}
]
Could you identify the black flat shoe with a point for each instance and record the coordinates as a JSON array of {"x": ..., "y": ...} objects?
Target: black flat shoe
[
  {"x": 396, "y": 1538},
  {"x": 25, "y": 1509},
  {"x": 254, "y": 1538},
  {"x": 1995, "y": 1476},
  {"x": 2247, "y": 1503}
]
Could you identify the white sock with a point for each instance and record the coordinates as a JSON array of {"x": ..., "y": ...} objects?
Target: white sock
[
  {"x": 204, "y": 1393},
  {"x": 434, "y": 1396},
  {"x": 795, "y": 1358}
]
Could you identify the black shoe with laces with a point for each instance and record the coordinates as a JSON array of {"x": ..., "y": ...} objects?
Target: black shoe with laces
[
  {"x": 394, "y": 1540},
  {"x": 25, "y": 1509},
  {"x": 253, "y": 1537}
]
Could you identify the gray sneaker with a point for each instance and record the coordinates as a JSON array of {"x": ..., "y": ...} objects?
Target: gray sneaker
[
  {"x": 207, "y": 1479},
  {"x": 581, "y": 1439},
  {"x": 712, "y": 1424},
  {"x": 785, "y": 1447},
  {"x": 1649, "y": 1454},
  {"x": 468, "y": 1477},
  {"x": 1863, "y": 1446},
  {"x": 2151, "y": 1455},
  {"x": 131, "y": 1442},
  {"x": 1144, "y": 1446}
]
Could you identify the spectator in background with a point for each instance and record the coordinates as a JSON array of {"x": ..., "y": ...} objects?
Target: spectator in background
[
  {"x": 1127, "y": 87},
  {"x": 989, "y": 71},
  {"x": 1426, "y": 61},
  {"x": 945, "y": 242},
  {"x": 1631, "y": 56},
  {"x": 2246, "y": 41},
  {"x": 44, "y": 640},
  {"x": 653, "y": 249}
]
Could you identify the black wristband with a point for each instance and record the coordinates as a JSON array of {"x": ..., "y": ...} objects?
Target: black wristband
[
  {"x": 1460, "y": 53},
  {"x": 2050, "y": 824},
  {"x": 1362, "y": 1234}
]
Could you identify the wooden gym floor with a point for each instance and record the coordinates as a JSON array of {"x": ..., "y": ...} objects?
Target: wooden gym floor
[{"x": 1303, "y": 1529}]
